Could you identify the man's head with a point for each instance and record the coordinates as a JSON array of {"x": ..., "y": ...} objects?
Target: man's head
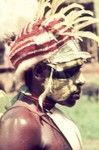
[
  {"x": 65, "y": 85},
  {"x": 50, "y": 44}
]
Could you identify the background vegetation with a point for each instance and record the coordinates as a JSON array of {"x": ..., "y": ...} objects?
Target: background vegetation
[{"x": 86, "y": 115}]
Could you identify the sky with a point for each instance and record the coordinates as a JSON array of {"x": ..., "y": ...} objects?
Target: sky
[{"x": 14, "y": 14}]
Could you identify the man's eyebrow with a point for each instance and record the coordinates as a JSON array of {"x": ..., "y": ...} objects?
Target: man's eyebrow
[
  {"x": 73, "y": 67},
  {"x": 69, "y": 68},
  {"x": 68, "y": 65}
]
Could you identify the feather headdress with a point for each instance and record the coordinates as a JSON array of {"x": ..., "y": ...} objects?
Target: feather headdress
[
  {"x": 50, "y": 30},
  {"x": 73, "y": 17},
  {"x": 52, "y": 36}
]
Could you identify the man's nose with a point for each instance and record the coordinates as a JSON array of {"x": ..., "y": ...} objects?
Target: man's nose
[{"x": 80, "y": 80}]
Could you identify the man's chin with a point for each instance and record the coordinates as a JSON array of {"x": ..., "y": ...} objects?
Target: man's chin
[
  {"x": 68, "y": 103},
  {"x": 71, "y": 101}
]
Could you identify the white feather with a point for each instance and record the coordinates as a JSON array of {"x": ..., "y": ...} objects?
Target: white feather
[{"x": 42, "y": 97}]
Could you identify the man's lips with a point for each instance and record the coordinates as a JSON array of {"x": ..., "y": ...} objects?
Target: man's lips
[{"x": 76, "y": 95}]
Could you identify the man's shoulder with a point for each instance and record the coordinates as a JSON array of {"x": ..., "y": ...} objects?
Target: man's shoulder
[
  {"x": 21, "y": 116},
  {"x": 20, "y": 123}
]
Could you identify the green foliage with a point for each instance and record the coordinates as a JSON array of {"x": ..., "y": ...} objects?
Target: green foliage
[
  {"x": 4, "y": 100},
  {"x": 86, "y": 115}
]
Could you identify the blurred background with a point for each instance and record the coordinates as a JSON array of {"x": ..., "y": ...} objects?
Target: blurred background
[{"x": 86, "y": 113}]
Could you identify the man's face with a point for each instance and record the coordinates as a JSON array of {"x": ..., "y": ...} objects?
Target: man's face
[{"x": 66, "y": 84}]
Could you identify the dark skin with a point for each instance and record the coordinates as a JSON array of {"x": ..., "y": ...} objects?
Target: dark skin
[
  {"x": 21, "y": 129},
  {"x": 26, "y": 127}
]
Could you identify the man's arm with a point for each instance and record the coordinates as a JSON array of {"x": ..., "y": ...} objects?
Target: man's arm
[{"x": 20, "y": 130}]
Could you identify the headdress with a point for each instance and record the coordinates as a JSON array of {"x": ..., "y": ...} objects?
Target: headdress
[{"x": 52, "y": 35}]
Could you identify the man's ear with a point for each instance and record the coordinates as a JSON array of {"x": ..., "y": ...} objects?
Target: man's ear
[
  {"x": 34, "y": 81},
  {"x": 41, "y": 71},
  {"x": 37, "y": 72}
]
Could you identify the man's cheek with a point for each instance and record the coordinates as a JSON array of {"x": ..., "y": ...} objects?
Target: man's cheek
[
  {"x": 60, "y": 89},
  {"x": 63, "y": 93}
]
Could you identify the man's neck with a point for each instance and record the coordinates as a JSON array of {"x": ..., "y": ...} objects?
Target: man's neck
[{"x": 48, "y": 103}]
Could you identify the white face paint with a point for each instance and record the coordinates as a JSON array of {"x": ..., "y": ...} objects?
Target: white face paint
[{"x": 66, "y": 86}]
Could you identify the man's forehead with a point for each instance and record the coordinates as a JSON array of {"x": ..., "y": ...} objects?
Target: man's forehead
[{"x": 67, "y": 65}]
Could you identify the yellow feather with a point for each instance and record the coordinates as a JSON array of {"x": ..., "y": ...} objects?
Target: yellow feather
[
  {"x": 81, "y": 34},
  {"x": 82, "y": 19},
  {"x": 70, "y": 7},
  {"x": 55, "y": 5},
  {"x": 41, "y": 8},
  {"x": 85, "y": 24}
]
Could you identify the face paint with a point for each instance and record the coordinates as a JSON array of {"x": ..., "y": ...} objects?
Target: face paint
[
  {"x": 60, "y": 89},
  {"x": 63, "y": 66},
  {"x": 64, "y": 85}
]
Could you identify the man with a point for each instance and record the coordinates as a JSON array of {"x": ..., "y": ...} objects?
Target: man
[{"x": 48, "y": 63}]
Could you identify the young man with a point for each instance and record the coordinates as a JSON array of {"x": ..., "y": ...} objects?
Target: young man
[{"x": 48, "y": 63}]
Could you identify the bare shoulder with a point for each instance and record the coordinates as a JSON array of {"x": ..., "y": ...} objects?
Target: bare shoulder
[{"x": 20, "y": 128}]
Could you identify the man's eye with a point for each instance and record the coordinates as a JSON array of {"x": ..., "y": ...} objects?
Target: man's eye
[
  {"x": 71, "y": 72},
  {"x": 67, "y": 73},
  {"x": 59, "y": 74}
]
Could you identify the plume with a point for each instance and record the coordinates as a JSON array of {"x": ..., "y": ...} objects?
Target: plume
[{"x": 73, "y": 17}]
